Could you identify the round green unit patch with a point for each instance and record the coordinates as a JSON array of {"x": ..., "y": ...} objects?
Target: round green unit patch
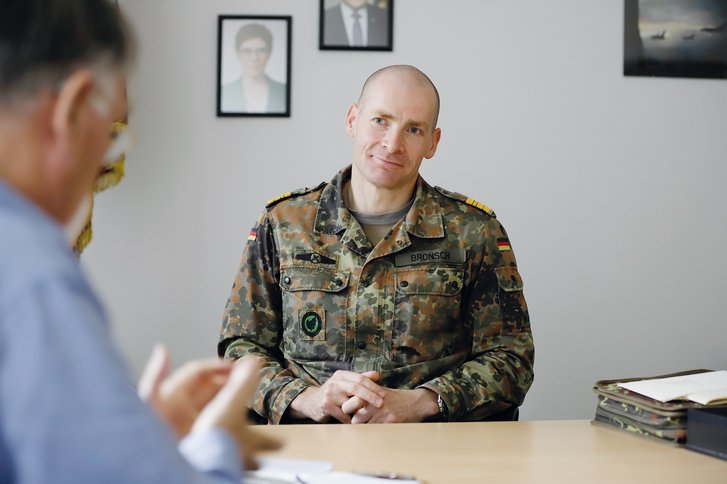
[{"x": 311, "y": 323}]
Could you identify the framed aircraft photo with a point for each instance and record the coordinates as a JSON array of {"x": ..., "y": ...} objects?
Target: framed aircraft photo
[{"x": 675, "y": 38}]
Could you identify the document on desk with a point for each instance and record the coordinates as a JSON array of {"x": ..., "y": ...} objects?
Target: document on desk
[
  {"x": 275, "y": 470},
  {"x": 300, "y": 471},
  {"x": 705, "y": 388}
]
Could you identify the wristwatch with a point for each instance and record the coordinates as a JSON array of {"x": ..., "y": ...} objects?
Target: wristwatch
[{"x": 443, "y": 410}]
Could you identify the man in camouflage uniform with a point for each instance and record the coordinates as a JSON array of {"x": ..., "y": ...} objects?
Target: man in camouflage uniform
[{"x": 377, "y": 297}]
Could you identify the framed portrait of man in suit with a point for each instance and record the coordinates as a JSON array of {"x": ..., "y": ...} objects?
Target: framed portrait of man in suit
[
  {"x": 253, "y": 65},
  {"x": 356, "y": 25}
]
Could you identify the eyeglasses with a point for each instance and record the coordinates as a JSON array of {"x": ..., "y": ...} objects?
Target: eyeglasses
[
  {"x": 121, "y": 142},
  {"x": 120, "y": 134},
  {"x": 251, "y": 52}
]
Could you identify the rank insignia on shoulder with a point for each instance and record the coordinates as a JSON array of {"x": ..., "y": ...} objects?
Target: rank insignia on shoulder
[
  {"x": 480, "y": 205},
  {"x": 466, "y": 200},
  {"x": 301, "y": 191},
  {"x": 278, "y": 198},
  {"x": 503, "y": 244}
]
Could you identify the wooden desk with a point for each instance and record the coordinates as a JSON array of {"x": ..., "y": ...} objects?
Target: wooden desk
[{"x": 565, "y": 451}]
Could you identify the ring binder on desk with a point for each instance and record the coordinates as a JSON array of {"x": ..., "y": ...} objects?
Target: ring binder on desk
[{"x": 632, "y": 412}]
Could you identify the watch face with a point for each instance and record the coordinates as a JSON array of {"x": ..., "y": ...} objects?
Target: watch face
[{"x": 443, "y": 411}]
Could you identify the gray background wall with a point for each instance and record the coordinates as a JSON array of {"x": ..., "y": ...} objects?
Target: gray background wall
[{"x": 611, "y": 188}]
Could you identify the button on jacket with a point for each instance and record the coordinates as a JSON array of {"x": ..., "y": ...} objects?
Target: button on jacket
[{"x": 437, "y": 303}]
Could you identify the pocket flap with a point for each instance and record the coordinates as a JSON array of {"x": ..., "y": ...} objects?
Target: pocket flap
[
  {"x": 305, "y": 279},
  {"x": 508, "y": 278},
  {"x": 439, "y": 282}
]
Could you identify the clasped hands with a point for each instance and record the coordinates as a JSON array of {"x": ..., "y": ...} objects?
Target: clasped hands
[{"x": 351, "y": 397}]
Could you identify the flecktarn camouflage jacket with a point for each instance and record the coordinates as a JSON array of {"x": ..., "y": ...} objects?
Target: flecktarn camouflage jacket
[{"x": 438, "y": 303}]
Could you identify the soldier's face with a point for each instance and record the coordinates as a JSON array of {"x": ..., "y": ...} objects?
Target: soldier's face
[{"x": 392, "y": 131}]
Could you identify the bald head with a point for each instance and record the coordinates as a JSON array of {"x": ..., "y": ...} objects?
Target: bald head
[{"x": 403, "y": 73}]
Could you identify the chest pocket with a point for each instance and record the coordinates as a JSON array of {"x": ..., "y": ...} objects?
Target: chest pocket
[
  {"x": 314, "y": 313},
  {"x": 427, "y": 312}
]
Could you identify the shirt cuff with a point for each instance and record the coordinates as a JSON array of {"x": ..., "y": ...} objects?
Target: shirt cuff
[
  {"x": 286, "y": 395},
  {"x": 213, "y": 451}
]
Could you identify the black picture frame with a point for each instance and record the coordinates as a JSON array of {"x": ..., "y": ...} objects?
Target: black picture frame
[
  {"x": 675, "y": 38},
  {"x": 244, "y": 42},
  {"x": 335, "y": 33}
]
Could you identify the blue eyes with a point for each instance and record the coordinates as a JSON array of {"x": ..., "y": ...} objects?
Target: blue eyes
[{"x": 383, "y": 122}]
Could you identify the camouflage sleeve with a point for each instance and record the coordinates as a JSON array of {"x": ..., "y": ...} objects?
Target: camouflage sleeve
[
  {"x": 252, "y": 322},
  {"x": 499, "y": 370}
]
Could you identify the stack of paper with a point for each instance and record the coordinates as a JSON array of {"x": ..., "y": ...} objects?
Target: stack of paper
[
  {"x": 656, "y": 407},
  {"x": 707, "y": 388}
]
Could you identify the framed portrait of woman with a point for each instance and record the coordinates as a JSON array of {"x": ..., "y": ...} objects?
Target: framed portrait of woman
[{"x": 253, "y": 65}]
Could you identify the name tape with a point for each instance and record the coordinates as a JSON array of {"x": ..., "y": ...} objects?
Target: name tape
[{"x": 447, "y": 256}]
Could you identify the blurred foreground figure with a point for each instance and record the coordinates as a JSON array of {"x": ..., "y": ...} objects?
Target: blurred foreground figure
[{"x": 68, "y": 412}]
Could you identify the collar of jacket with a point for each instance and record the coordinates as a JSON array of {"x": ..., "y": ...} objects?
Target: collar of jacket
[{"x": 425, "y": 217}]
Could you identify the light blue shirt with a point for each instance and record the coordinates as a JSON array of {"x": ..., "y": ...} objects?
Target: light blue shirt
[{"x": 68, "y": 411}]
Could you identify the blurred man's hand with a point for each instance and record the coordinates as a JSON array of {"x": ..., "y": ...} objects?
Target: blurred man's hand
[
  {"x": 178, "y": 398},
  {"x": 228, "y": 411}
]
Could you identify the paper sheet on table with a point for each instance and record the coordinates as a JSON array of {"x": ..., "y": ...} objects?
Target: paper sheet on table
[
  {"x": 714, "y": 383},
  {"x": 337, "y": 477},
  {"x": 275, "y": 470},
  {"x": 301, "y": 471}
]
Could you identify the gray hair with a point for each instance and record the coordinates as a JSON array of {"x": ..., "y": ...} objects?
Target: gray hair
[{"x": 42, "y": 42}]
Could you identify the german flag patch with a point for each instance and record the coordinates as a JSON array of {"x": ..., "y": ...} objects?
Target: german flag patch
[{"x": 503, "y": 244}]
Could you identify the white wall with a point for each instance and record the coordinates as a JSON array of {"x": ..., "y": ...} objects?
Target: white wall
[{"x": 610, "y": 187}]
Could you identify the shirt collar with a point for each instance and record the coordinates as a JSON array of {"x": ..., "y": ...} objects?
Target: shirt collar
[
  {"x": 11, "y": 198},
  {"x": 348, "y": 11},
  {"x": 424, "y": 219}
]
